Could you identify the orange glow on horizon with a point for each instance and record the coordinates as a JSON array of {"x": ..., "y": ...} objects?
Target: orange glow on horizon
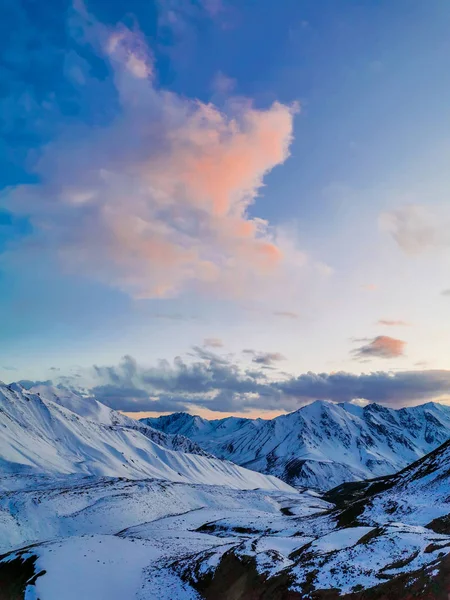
[{"x": 211, "y": 415}]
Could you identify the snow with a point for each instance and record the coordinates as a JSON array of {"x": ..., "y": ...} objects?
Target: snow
[
  {"x": 93, "y": 567},
  {"x": 47, "y": 508},
  {"x": 397, "y": 549},
  {"x": 419, "y": 494},
  {"x": 108, "y": 509},
  {"x": 39, "y": 435},
  {"x": 338, "y": 540},
  {"x": 114, "y": 538},
  {"x": 322, "y": 444}
]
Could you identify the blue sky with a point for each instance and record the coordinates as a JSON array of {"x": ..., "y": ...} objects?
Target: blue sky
[{"x": 270, "y": 176}]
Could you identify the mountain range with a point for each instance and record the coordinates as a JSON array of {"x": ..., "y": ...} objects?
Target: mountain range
[
  {"x": 96, "y": 505},
  {"x": 56, "y": 432},
  {"x": 384, "y": 539},
  {"x": 321, "y": 445}
]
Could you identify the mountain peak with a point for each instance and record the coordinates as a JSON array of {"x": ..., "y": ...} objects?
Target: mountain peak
[
  {"x": 323, "y": 443},
  {"x": 314, "y": 405}
]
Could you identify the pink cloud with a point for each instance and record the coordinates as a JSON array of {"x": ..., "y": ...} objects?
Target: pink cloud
[
  {"x": 382, "y": 346},
  {"x": 157, "y": 202}
]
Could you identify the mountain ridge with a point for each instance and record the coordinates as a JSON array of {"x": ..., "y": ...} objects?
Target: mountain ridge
[
  {"x": 321, "y": 444},
  {"x": 42, "y": 436},
  {"x": 170, "y": 524}
]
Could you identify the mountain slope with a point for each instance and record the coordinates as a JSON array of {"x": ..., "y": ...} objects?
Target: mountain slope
[
  {"x": 90, "y": 408},
  {"x": 388, "y": 538},
  {"x": 106, "y": 537},
  {"x": 101, "y": 538},
  {"x": 322, "y": 444},
  {"x": 39, "y": 435},
  {"x": 419, "y": 495}
]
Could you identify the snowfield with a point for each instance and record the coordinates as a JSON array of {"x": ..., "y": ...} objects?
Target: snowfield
[{"x": 104, "y": 538}]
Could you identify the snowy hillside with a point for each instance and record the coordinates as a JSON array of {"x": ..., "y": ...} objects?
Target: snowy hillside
[
  {"x": 322, "y": 444},
  {"x": 90, "y": 408},
  {"x": 108, "y": 538},
  {"x": 94, "y": 505},
  {"x": 112, "y": 538},
  {"x": 390, "y": 536},
  {"x": 68, "y": 434},
  {"x": 419, "y": 494}
]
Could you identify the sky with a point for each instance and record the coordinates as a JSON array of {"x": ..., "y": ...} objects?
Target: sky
[{"x": 223, "y": 206}]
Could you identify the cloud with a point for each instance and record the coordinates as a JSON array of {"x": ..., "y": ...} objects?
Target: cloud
[
  {"x": 214, "y": 382},
  {"x": 156, "y": 201},
  {"x": 286, "y": 313},
  {"x": 222, "y": 84},
  {"x": 382, "y": 346},
  {"x": 393, "y": 323},
  {"x": 446, "y": 292},
  {"x": 421, "y": 363},
  {"x": 264, "y": 358},
  {"x": 369, "y": 287},
  {"x": 213, "y": 343},
  {"x": 128, "y": 49},
  {"x": 395, "y": 389},
  {"x": 417, "y": 228},
  {"x": 267, "y": 358}
]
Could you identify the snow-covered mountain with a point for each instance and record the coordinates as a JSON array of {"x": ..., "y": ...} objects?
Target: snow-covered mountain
[
  {"x": 386, "y": 538},
  {"x": 419, "y": 495},
  {"x": 95, "y": 505},
  {"x": 322, "y": 444},
  {"x": 44, "y": 431},
  {"x": 114, "y": 538},
  {"x": 90, "y": 408}
]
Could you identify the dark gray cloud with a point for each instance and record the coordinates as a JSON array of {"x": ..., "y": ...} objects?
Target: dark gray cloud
[
  {"x": 264, "y": 358},
  {"x": 267, "y": 358},
  {"x": 395, "y": 389},
  {"x": 210, "y": 381},
  {"x": 382, "y": 346},
  {"x": 222, "y": 386},
  {"x": 216, "y": 383}
]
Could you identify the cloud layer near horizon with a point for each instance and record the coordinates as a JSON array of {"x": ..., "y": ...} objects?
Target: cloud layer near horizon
[
  {"x": 156, "y": 201},
  {"x": 216, "y": 383}
]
